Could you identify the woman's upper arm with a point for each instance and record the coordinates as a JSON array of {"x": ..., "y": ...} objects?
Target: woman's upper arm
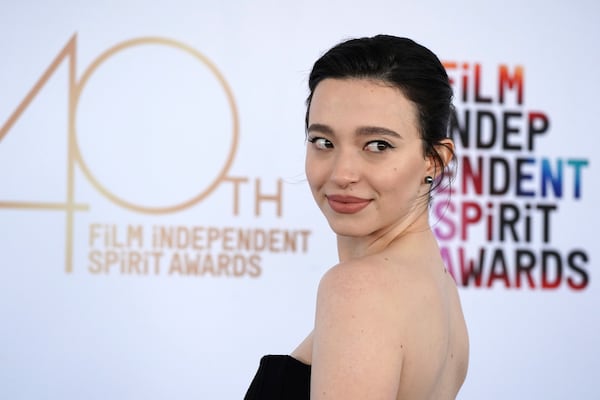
[{"x": 357, "y": 342}]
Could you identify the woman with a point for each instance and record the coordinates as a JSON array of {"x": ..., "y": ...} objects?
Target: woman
[{"x": 388, "y": 324}]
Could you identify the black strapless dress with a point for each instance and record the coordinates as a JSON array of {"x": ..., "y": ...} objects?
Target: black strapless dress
[{"x": 280, "y": 377}]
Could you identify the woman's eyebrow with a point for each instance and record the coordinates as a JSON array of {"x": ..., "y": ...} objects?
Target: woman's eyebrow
[
  {"x": 377, "y": 130},
  {"x": 321, "y": 128},
  {"x": 361, "y": 131}
]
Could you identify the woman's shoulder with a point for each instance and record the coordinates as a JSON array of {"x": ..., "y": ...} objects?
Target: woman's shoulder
[
  {"x": 365, "y": 326},
  {"x": 383, "y": 294},
  {"x": 379, "y": 275},
  {"x": 386, "y": 293},
  {"x": 387, "y": 319}
]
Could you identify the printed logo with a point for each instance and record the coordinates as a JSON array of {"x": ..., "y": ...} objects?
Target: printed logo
[
  {"x": 152, "y": 126},
  {"x": 497, "y": 229}
]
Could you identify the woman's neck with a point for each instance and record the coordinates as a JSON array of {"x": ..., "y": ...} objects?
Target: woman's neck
[{"x": 351, "y": 247}]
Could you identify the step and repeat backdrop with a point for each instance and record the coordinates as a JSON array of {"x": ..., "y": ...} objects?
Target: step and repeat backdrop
[{"x": 157, "y": 235}]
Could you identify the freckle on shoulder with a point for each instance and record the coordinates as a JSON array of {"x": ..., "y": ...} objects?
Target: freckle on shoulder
[{"x": 353, "y": 275}]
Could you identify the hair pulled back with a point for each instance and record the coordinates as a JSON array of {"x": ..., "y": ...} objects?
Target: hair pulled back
[{"x": 401, "y": 63}]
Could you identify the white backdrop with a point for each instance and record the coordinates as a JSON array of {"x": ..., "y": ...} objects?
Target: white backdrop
[{"x": 157, "y": 235}]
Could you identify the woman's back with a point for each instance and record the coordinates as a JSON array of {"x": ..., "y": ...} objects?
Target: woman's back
[
  {"x": 389, "y": 325},
  {"x": 436, "y": 357}
]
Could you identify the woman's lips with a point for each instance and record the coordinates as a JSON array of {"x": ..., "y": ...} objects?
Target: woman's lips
[{"x": 347, "y": 204}]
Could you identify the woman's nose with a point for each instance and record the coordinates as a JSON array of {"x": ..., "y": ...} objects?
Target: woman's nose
[{"x": 345, "y": 169}]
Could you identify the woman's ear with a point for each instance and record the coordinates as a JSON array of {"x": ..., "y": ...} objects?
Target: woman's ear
[{"x": 445, "y": 150}]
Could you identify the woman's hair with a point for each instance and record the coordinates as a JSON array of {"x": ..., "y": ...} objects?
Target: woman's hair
[{"x": 401, "y": 63}]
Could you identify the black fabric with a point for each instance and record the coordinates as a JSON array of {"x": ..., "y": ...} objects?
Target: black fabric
[{"x": 280, "y": 377}]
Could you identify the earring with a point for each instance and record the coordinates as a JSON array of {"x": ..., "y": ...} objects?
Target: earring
[{"x": 428, "y": 180}]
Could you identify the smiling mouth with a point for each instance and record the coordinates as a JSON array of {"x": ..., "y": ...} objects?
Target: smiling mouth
[{"x": 347, "y": 204}]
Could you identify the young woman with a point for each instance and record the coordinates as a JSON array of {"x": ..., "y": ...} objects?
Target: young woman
[{"x": 389, "y": 323}]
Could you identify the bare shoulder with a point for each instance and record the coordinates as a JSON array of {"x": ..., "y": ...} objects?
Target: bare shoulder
[
  {"x": 361, "y": 282},
  {"x": 359, "y": 336},
  {"x": 360, "y": 274},
  {"x": 380, "y": 324},
  {"x": 367, "y": 288}
]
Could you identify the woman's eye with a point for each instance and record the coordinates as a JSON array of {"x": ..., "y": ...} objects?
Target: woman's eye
[
  {"x": 321, "y": 143},
  {"x": 377, "y": 146}
]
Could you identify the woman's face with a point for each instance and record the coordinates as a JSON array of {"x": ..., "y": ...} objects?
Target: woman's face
[{"x": 364, "y": 161}]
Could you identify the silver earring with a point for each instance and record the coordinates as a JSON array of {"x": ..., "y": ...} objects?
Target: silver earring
[{"x": 428, "y": 180}]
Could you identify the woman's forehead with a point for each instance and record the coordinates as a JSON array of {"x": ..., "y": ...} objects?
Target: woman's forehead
[{"x": 364, "y": 102}]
